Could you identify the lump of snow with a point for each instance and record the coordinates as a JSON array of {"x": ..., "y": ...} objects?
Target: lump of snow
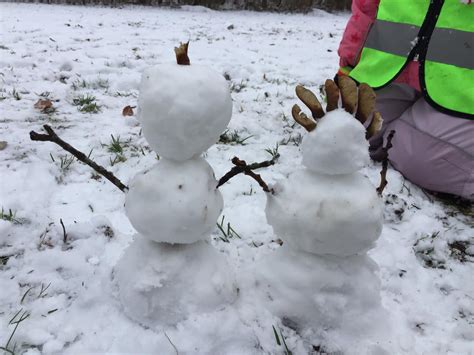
[
  {"x": 162, "y": 284},
  {"x": 321, "y": 292},
  {"x": 337, "y": 145},
  {"x": 326, "y": 214},
  {"x": 183, "y": 109},
  {"x": 175, "y": 202}
]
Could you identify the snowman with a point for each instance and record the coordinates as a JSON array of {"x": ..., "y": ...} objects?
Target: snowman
[
  {"x": 170, "y": 270},
  {"x": 329, "y": 215}
]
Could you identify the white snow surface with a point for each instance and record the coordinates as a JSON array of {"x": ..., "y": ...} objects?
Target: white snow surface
[
  {"x": 337, "y": 145},
  {"x": 326, "y": 214},
  {"x": 67, "y": 288},
  {"x": 162, "y": 284},
  {"x": 175, "y": 202},
  {"x": 337, "y": 296},
  {"x": 183, "y": 109}
]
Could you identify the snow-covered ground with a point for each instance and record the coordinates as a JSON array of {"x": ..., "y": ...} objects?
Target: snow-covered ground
[{"x": 64, "y": 290}]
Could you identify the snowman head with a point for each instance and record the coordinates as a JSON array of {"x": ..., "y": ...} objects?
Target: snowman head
[
  {"x": 183, "y": 108},
  {"x": 337, "y": 141}
]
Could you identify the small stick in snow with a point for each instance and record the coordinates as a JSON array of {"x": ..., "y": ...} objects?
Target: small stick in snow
[
  {"x": 53, "y": 137},
  {"x": 64, "y": 231},
  {"x": 241, "y": 167},
  {"x": 182, "y": 54},
  {"x": 383, "y": 173}
]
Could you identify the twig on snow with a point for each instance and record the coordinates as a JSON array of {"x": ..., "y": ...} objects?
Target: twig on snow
[
  {"x": 241, "y": 167},
  {"x": 383, "y": 173},
  {"x": 53, "y": 137}
]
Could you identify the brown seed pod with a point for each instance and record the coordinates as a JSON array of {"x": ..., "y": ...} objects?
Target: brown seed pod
[
  {"x": 366, "y": 103},
  {"x": 348, "y": 93},
  {"x": 182, "y": 54},
  {"x": 302, "y": 119},
  {"x": 310, "y": 100}
]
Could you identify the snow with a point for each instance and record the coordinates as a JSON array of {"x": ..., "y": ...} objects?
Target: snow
[
  {"x": 338, "y": 295},
  {"x": 183, "y": 109},
  {"x": 175, "y": 202},
  {"x": 162, "y": 284},
  {"x": 337, "y": 145},
  {"x": 326, "y": 214},
  {"x": 426, "y": 289}
]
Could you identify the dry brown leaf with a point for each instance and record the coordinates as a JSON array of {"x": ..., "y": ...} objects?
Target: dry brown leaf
[
  {"x": 128, "y": 111},
  {"x": 302, "y": 119},
  {"x": 310, "y": 100},
  {"x": 43, "y": 104},
  {"x": 332, "y": 95}
]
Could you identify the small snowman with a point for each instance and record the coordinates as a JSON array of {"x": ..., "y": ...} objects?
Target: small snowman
[
  {"x": 170, "y": 270},
  {"x": 329, "y": 215}
]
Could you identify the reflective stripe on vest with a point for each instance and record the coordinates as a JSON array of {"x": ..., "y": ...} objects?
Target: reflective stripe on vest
[{"x": 446, "y": 52}]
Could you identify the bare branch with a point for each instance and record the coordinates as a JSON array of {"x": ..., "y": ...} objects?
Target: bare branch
[
  {"x": 383, "y": 173},
  {"x": 241, "y": 167},
  {"x": 348, "y": 89},
  {"x": 53, "y": 137},
  {"x": 366, "y": 103}
]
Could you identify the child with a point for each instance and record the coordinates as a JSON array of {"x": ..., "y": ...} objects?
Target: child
[{"x": 419, "y": 56}]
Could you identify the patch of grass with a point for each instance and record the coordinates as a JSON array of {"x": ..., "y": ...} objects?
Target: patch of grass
[
  {"x": 274, "y": 151},
  {"x": 227, "y": 231},
  {"x": 86, "y": 104},
  {"x": 64, "y": 163},
  {"x": 16, "y": 95},
  {"x": 115, "y": 145},
  {"x": 9, "y": 216},
  {"x": 17, "y": 319},
  {"x": 233, "y": 138},
  {"x": 282, "y": 341},
  {"x": 425, "y": 252},
  {"x": 294, "y": 139}
]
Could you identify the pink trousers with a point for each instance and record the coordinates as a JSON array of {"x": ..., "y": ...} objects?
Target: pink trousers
[{"x": 430, "y": 148}]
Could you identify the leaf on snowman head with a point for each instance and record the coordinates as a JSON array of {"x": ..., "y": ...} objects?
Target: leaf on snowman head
[
  {"x": 332, "y": 95},
  {"x": 349, "y": 95},
  {"x": 302, "y": 119},
  {"x": 182, "y": 54},
  {"x": 375, "y": 125},
  {"x": 366, "y": 103},
  {"x": 310, "y": 100}
]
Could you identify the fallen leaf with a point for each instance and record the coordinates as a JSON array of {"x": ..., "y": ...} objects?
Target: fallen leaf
[
  {"x": 3, "y": 145},
  {"x": 128, "y": 111},
  {"x": 43, "y": 105}
]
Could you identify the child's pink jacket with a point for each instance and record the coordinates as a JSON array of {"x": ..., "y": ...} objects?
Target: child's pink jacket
[{"x": 357, "y": 29}]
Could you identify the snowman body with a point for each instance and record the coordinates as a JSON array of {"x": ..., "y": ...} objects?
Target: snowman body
[
  {"x": 328, "y": 215},
  {"x": 170, "y": 271}
]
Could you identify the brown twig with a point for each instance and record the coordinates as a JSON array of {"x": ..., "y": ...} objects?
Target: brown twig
[
  {"x": 64, "y": 231},
  {"x": 53, "y": 137},
  {"x": 383, "y": 173},
  {"x": 241, "y": 167}
]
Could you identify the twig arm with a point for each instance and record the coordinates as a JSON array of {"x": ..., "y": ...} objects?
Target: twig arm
[
  {"x": 53, "y": 137},
  {"x": 383, "y": 173},
  {"x": 241, "y": 167}
]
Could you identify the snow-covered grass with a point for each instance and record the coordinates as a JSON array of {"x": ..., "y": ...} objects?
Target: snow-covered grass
[{"x": 88, "y": 61}]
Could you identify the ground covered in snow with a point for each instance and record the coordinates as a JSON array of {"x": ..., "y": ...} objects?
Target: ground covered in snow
[{"x": 63, "y": 227}]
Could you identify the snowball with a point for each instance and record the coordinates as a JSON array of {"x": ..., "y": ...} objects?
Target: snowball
[
  {"x": 162, "y": 284},
  {"x": 183, "y": 109},
  {"x": 323, "y": 292},
  {"x": 175, "y": 202},
  {"x": 337, "y": 145},
  {"x": 326, "y": 214}
]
